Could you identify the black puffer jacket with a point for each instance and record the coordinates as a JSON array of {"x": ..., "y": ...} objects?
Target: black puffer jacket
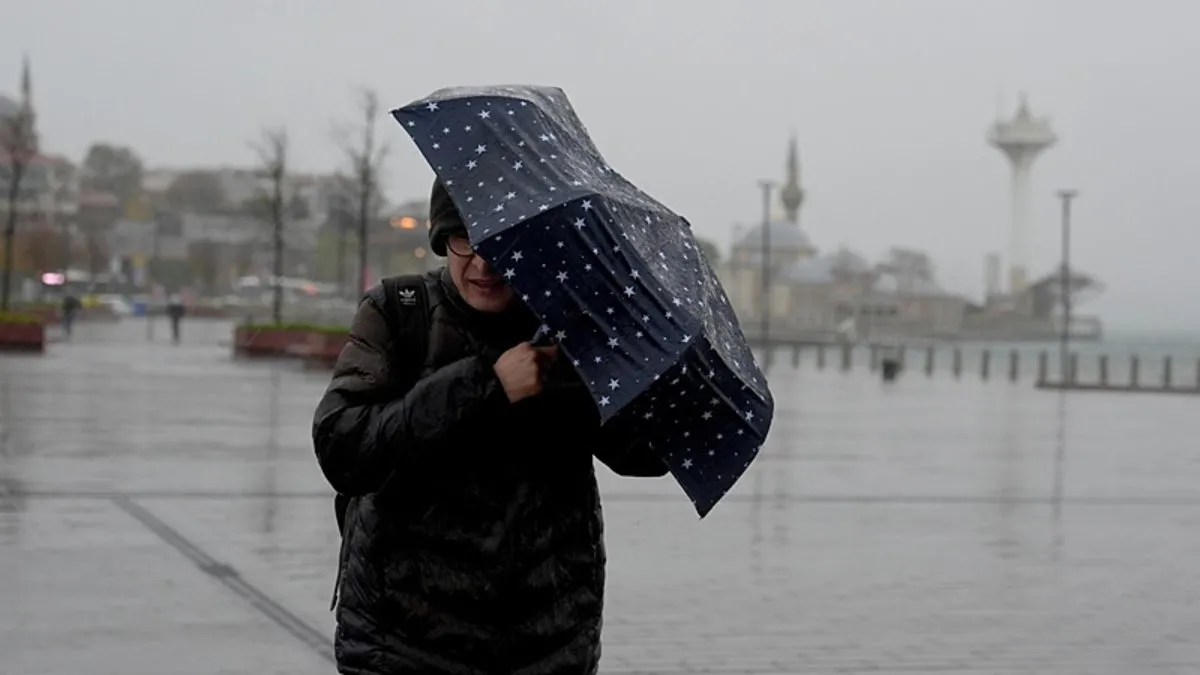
[{"x": 476, "y": 545}]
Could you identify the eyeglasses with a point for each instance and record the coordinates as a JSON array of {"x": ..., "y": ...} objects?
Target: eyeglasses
[{"x": 460, "y": 246}]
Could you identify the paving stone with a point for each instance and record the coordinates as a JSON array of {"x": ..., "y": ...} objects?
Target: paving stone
[{"x": 155, "y": 499}]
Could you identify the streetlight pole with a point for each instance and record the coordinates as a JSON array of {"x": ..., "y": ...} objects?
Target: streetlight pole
[
  {"x": 66, "y": 249},
  {"x": 766, "y": 187},
  {"x": 1064, "y": 353},
  {"x": 152, "y": 277},
  {"x": 343, "y": 231}
]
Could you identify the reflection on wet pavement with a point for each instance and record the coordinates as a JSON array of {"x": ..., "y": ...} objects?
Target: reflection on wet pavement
[{"x": 160, "y": 505}]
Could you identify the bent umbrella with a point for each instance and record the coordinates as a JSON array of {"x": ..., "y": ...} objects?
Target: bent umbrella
[{"x": 616, "y": 277}]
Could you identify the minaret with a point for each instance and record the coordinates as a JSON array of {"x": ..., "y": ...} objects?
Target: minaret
[
  {"x": 26, "y": 81},
  {"x": 792, "y": 195},
  {"x": 27, "y": 112}
]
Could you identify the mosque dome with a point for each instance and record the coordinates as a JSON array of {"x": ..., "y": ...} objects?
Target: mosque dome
[
  {"x": 809, "y": 271},
  {"x": 783, "y": 236},
  {"x": 846, "y": 261},
  {"x": 842, "y": 263}
]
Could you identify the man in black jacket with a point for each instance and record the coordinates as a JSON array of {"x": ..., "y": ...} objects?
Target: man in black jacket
[{"x": 475, "y": 540}]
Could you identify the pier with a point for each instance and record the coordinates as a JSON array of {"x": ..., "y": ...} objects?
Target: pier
[
  {"x": 1089, "y": 370},
  {"x": 1132, "y": 385}
]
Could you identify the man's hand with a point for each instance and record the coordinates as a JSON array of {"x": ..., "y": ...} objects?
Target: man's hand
[{"x": 522, "y": 369}]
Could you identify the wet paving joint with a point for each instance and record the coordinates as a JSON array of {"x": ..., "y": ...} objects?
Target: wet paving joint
[
  {"x": 924, "y": 526},
  {"x": 229, "y": 577},
  {"x": 9, "y": 489}
]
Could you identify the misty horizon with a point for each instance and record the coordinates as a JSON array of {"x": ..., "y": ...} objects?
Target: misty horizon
[{"x": 890, "y": 105}]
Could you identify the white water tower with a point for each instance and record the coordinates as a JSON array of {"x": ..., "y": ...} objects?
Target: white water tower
[{"x": 1021, "y": 139}]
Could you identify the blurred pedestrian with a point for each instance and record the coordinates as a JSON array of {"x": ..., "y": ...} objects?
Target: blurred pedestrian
[
  {"x": 175, "y": 312},
  {"x": 70, "y": 309}
]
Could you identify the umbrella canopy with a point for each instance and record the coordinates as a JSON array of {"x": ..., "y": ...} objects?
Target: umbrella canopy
[{"x": 616, "y": 277}]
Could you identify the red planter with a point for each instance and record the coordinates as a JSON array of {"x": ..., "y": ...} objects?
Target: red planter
[
  {"x": 322, "y": 348},
  {"x": 266, "y": 341},
  {"x": 209, "y": 312},
  {"x": 30, "y": 337},
  {"x": 315, "y": 346}
]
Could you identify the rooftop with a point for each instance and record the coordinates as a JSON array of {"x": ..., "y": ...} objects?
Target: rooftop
[{"x": 782, "y": 235}]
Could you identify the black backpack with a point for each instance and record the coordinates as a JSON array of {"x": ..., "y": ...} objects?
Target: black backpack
[{"x": 406, "y": 309}]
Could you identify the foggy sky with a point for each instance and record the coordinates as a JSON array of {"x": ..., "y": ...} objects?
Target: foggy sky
[{"x": 694, "y": 102}]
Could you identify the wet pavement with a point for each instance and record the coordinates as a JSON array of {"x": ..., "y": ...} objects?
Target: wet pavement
[{"x": 161, "y": 512}]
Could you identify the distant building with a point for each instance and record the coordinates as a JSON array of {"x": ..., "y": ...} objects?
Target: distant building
[
  {"x": 20, "y": 117},
  {"x": 838, "y": 295},
  {"x": 398, "y": 238},
  {"x": 1028, "y": 308},
  {"x": 57, "y": 225},
  {"x": 1036, "y": 312},
  {"x": 49, "y": 187},
  {"x": 308, "y": 198},
  {"x": 210, "y": 251}
]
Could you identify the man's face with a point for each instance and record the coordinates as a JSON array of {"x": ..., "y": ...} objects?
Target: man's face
[{"x": 479, "y": 285}]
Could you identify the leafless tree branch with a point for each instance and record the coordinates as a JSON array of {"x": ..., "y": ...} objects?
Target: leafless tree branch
[
  {"x": 365, "y": 155},
  {"x": 272, "y": 149},
  {"x": 16, "y": 144}
]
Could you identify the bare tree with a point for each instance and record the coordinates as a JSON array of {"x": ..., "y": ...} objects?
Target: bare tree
[
  {"x": 16, "y": 146},
  {"x": 272, "y": 149},
  {"x": 366, "y": 156},
  {"x": 339, "y": 213}
]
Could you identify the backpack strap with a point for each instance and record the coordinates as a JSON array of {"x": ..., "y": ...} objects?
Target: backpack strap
[
  {"x": 406, "y": 311},
  {"x": 406, "y": 308}
]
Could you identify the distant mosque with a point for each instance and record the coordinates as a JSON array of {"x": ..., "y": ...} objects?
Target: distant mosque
[
  {"x": 837, "y": 296},
  {"x": 15, "y": 112},
  {"x": 48, "y": 187}
]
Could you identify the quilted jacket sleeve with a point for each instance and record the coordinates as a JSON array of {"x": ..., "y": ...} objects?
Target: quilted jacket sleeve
[{"x": 366, "y": 427}]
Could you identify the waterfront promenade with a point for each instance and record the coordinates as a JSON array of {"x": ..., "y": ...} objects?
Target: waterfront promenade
[{"x": 161, "y": 512}]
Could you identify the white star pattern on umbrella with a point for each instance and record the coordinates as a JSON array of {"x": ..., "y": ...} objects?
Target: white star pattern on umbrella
[{"x": 616, "y": 277}]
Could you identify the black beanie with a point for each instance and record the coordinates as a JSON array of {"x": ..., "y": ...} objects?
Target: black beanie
[{"x": 444, "y": 219}]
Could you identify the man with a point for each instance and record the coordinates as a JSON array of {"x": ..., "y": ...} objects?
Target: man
[
  {"x": 475, "y": 542},
  {"x": 70, "y": 308},
  {"x": 175, "y": 312}
]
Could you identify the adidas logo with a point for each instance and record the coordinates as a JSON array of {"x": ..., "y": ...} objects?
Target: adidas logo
[{"x": 407, "y": 296}]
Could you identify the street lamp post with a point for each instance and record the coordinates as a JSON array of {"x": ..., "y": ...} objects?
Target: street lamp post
[
  {"x": 152, "y": 277},
  {"x": 343, "y": 231},
  {"x": 66, "y": 249},
  {"x": 1064, "y": 354},
  {"x": 765, "y": 267}
]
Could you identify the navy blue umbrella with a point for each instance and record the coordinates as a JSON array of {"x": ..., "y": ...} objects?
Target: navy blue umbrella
[{"x": 617, "y": 278}]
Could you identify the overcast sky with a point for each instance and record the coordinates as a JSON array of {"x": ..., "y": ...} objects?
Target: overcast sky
[{"x": 694, "y": 102}]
